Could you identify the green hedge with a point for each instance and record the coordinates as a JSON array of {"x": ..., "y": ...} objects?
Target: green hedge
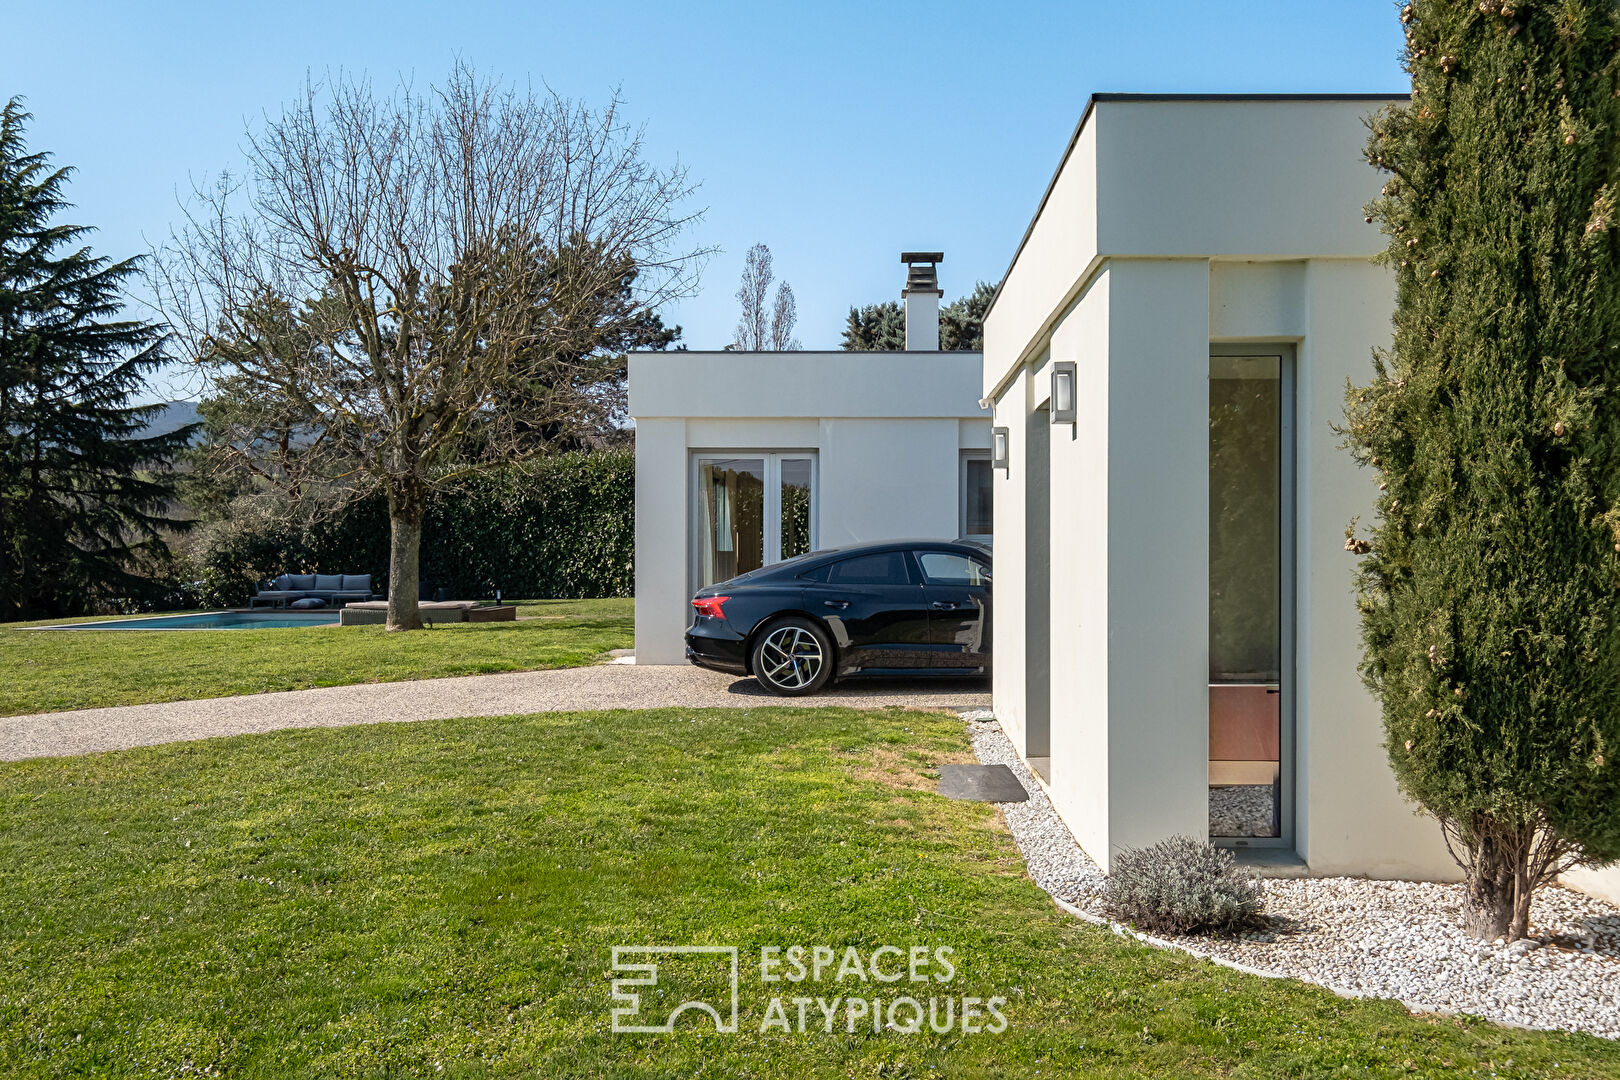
[{"x": 561, "y": 527}]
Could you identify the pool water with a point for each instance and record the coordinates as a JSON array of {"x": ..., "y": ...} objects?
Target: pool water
[{"x": 214, "y": 620}]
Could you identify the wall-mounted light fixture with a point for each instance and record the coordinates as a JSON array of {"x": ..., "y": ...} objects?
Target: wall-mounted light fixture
[
  {"x": 1063, "y": 392},
  {"x": 1000, "y": 451}
]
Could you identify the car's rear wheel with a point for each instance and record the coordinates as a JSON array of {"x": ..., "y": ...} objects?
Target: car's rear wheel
[{"x": 793, "y": 656}]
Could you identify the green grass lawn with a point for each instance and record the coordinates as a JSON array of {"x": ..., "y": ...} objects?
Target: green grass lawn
[
  {"x": 395, "y": 900},
  {"x": 54, "y": 670}
]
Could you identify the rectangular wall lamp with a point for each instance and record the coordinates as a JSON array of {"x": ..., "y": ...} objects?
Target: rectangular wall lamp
[{"x": 1063, "y": 392}]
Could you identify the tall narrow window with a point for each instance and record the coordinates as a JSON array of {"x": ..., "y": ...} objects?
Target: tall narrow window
[
  {"x": 731, "y": 508},
  {"x": 795, "y": 487},
  {"x": 750, "y": 511},
  {"x": 977, "y": 521},
  {"x": 1245, "y": 595}
]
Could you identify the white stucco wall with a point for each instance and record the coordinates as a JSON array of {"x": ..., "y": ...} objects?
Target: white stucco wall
[
  {"x": 1009, "y": 486},
  {"x": 1604, "y": 882},
  {"x": 662, "y": 526},
  {"x": 1158, "y": 550},
  {"x": 887, "y": 478},
  {"x": 888, "y": 430},
  {"x": 1278, "y": 179},
  {"x": 1051, "y": 266},
  {"x": 1353, "y": 820},
  {"x": 1082, "y": 776}
]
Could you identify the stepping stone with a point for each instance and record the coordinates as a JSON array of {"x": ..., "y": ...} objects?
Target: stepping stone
[{"x": 981, "y": 783}]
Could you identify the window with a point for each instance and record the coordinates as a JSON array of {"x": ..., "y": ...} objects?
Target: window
[
  {"x": 795, "y": 506},
  {"x": 949, "y": 568},
  {"x": 884, "y": 568},
  {"x": 751, "y": 510},
  {"x": 1250, "y": 633},
  {"x": 976, "y": 518},
  {"x": 731, "y": 507}
]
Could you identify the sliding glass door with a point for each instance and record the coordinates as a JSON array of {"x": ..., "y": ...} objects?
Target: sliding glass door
[
  {"x": 1250, "y": 570},
  {"x": 751, "y": 510}
]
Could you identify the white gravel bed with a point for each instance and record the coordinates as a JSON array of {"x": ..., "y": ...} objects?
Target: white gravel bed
[
  {"x": 1395, "y": 939},
  {"x": 1243, "y": 810}
]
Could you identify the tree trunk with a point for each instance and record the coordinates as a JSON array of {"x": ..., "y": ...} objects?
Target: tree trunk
[
  {"x": 1520, "y": 926},
  {"x": 1489, "y": 893},
  {"x": 407, "y": 504}
]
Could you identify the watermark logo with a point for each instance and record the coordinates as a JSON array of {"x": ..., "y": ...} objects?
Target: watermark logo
[
  {"x": 830, "y": 990},
  {"x": 713, "y": 967}
]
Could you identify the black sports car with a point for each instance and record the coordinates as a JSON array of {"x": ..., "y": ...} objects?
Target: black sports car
[{"x": 902, "y": 607}]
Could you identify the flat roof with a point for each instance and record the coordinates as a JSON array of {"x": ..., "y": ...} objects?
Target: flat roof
[
  {"x": 1095, "y": 99},
  {"x": 802, "y": 352}
]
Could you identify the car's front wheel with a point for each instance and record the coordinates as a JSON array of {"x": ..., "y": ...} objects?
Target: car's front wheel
[{"x": 793, "y": 656}]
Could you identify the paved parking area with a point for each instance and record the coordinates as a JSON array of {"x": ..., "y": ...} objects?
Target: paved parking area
[{"x": 609, "y": 686}]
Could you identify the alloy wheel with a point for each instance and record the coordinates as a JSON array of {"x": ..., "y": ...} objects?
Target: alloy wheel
[{"x": 791, "y": 657}]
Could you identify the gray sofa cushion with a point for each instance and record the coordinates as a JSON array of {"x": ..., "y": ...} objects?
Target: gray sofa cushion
[
  {"x": 282, "y": 583},
  {"x": 356, "y": 583},
  {"x": 308, "y": 602},
  {"x": 306, "y": 582},
  {"x": 328, "y": 582}
]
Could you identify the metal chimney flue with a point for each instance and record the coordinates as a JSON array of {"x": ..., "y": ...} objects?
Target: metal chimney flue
[{"x": 922, "y": 295}]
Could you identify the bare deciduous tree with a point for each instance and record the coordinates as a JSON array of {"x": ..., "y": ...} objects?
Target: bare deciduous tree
[
  {"x": 784, "y": 315},
  {"x": 764, "y": 326},
  {"x": 422, "y": 281}
]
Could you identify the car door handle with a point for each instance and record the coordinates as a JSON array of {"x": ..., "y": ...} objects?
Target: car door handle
[
  {"x": 839, "y": 604},
  {"x": 944, "y": 605}
]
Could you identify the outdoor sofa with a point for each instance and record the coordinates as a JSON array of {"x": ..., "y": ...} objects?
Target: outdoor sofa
[{"x": 335, "y": 589}]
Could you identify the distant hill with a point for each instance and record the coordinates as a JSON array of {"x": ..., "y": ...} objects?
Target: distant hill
[{"x": 175, "y": 415}]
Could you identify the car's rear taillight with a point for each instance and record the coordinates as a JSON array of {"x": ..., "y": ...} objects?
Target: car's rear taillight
[{"x": 712, "y": 606}]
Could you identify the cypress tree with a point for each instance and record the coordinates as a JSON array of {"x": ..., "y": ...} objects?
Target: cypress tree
[
  {"x": 1490, "y": 590},
  {"x": 82, "y": 498}
]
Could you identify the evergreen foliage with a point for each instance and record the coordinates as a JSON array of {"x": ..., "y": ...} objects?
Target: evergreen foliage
[
  {"x": 1488, "y": 595},
  {"x": 882, "y": 327},
  {"x": 877, "y": 328},
  {"x": 83, "y": 497},
  {"x": 561, "y": 526}
]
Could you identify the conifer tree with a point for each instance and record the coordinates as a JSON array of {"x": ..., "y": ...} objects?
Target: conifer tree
[
  {"x": 81, "y": 502},
  {"x": 1490, "y": 590},
  {"x": 882, "y": 327}
]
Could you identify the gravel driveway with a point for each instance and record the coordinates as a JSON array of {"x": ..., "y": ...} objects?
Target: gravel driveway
[{"x": 608, "y": 686}]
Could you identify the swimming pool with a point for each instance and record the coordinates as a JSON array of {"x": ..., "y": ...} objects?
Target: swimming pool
[{"x": 213, "y": 620}]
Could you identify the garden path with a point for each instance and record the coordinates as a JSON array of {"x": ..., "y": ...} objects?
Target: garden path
[{"x": 606, "y": 686}]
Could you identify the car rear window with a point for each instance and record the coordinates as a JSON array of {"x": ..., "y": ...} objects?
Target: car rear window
[{"x": 882, "y": 568}]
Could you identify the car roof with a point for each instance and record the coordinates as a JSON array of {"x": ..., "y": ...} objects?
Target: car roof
[
  {"x": 800, "y": 563},
  {"x": 975, "y": 546}
]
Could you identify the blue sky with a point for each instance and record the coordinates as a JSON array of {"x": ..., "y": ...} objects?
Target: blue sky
[{"x": 839, "y": 134}]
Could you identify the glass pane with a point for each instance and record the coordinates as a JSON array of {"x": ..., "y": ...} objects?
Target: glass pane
[
  {"x": 1245, "y": 595},
  {"x": 731, "y": 513},
  {"x": 976, "y": 516},
  {"x": 947, "y": 568},
  {"x": 795, "y": 507},
  {"x": 888, "y": 568}
]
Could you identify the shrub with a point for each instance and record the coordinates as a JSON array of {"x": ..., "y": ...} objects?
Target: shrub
[
  {"x": 1184, "y": 886},
  {"x": 559, "y": 527}
]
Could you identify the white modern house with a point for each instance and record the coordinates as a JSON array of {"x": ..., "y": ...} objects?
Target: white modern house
[
  {"x": 747, "y": 458},
  {"x": 1167, "y": 358},
  {"x": 1176, "y": 641}
]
